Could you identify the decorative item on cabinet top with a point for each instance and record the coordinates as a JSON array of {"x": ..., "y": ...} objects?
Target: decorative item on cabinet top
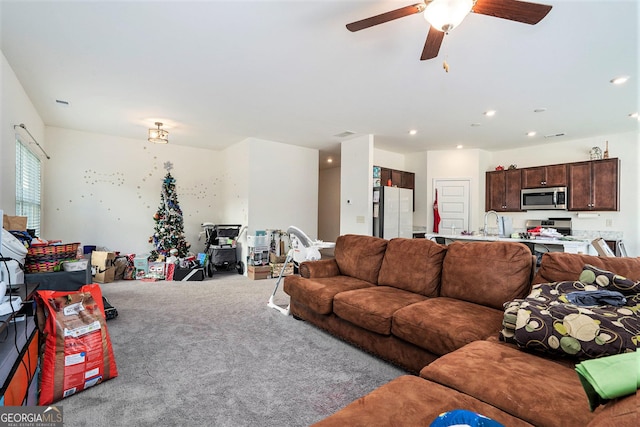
[{"x": 595, "y": 153}]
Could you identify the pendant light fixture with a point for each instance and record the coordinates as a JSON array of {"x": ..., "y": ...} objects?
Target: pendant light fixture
[{"x": 158, "y": 136}]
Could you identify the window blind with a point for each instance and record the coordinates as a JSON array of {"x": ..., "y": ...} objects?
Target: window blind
[{"x": 28, "y": 186}]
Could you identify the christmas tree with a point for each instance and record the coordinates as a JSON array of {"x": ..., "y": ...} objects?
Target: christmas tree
[{"x": 169, "y": 228}]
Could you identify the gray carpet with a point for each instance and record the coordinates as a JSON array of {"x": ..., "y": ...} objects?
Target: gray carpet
[{"x": 212, "y": 353}]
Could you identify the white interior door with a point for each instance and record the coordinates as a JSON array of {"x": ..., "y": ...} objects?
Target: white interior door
[{"x": 453, "y": 204}]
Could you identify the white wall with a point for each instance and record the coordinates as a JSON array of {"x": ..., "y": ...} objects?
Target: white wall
[
  {"x": 329, "y": 204},
  {"x": 104, "y": 190},
  {"x": 233, "y": 173},
  {"x": 283, "y": 187},
  {"x": 356, "y": 183},
  {"x": 417, "y": 163},
  {"x": 389, "y": 159},
  {"x": 458, "y": 164},
  {"x": 15, "y": 108}
]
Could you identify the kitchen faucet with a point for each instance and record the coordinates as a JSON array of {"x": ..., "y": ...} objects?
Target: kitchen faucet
[{"x": 486, "y": 216}]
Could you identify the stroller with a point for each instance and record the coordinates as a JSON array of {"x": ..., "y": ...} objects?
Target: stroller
[{"x": 220, "y": 248}]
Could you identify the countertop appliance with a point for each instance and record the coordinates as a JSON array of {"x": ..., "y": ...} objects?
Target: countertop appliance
[
  {"x": 543, "y": 198},
  {"x": 562, "y": 225}
]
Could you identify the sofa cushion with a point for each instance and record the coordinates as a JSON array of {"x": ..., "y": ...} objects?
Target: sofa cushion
[
  {"x": 622, "y": 412},
  {"x": 535, "y": 389},
  {"x": 414, "y": 265},
  {"x": 441, "y": 325},
  {"x": 372, "y": 308},
  {"x": 320, "y": 268},
  {"x": 562, "y": 266},
  {"x": 487, "y": 273},
  {"x": 360, "y": 256},
  {"x": 410, "y": 401},
  {"x": 317, "y": 294}
]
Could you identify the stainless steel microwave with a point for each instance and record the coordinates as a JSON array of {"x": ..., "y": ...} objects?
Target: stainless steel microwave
[{"x": 543, "y": 198}]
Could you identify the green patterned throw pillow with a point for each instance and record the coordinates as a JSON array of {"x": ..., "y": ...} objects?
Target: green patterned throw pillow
[{"x": 605, "y": 279}]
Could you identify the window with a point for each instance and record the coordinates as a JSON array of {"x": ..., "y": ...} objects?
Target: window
[{"x": 28, "y": 186}]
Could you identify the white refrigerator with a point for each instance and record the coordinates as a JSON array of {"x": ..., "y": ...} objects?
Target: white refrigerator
[{"x": 392, "y": 212}]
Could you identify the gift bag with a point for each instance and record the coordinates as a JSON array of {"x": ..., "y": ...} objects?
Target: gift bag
[{"x": 77, "y": 349}]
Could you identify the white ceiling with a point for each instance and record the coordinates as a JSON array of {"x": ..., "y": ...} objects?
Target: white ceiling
[{"x": 217, "y": 72}]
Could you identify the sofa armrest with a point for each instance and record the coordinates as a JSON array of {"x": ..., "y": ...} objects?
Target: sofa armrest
[{"x": 320, "y": 268}]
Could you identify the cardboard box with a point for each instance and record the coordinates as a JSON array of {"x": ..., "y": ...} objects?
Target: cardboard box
[
  {"x": 141, "y": 266},
  {"x": 255, "y": 272},
  {"x": 17, "y": 223},
  {"x": 273, "y": 258},
  {"x": 276, "y": 268},
  {"x": 103, "y": 259},
  {"x": 103, "y": 263},
  {"x": 602, "y": 248},
  {"x": 157, "y": 270},
  {"x": 105, "y": 276}
]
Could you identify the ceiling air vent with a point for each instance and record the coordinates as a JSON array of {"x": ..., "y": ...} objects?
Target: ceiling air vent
[
  {"x": 553, "y": 135},
  {"x": 344, "y": 134}
]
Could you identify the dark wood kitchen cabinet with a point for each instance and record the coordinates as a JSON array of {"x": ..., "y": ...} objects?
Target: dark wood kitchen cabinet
[
  {"x": 401, "y": 179},
  {"x": 544, "y": 176},
  {"x": 408, "y": 180},
  {"x": 593, "y": 185},
  {"x": 398, "y": 178},
  {"x": 503, "y": 190}
]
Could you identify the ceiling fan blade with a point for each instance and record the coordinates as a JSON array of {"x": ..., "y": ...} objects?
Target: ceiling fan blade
[
  {"x": 386, "y": 17},
  {"x": 513, "y": 10},
  {"x": 432, "y": 44}
]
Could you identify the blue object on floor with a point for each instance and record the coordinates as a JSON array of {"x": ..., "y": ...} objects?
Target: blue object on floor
[{"x": 462, "y": 417}]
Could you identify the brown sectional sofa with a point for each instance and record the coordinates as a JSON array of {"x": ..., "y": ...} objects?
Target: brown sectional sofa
[
  {"x": 437, "y": 310},
  {"x": 410, "y": 301}
]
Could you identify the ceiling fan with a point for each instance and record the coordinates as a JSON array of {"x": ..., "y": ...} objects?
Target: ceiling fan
[{"x": 444, "y": 15}]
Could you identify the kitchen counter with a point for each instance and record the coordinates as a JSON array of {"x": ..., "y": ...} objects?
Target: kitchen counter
[{"x": 570, "y": 246}]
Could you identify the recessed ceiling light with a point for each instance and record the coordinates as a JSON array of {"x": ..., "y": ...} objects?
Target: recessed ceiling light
[
  {"x": 619, "y": 80},
  {"x": 635, "y": 115},
  {"x": 540, "y": 110},
  {"x": 459, "y": 146},
  {"x": 531, "y": 133},
  {"x": 413, "y": 132},
  {"x": 329, "y": 160},
  {"x": 490, "y": 113}
]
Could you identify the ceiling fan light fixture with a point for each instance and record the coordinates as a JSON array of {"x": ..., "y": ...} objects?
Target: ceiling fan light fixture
[
  {"x": 158, "y": 136},
  {"x": 444, "y": 15}
]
